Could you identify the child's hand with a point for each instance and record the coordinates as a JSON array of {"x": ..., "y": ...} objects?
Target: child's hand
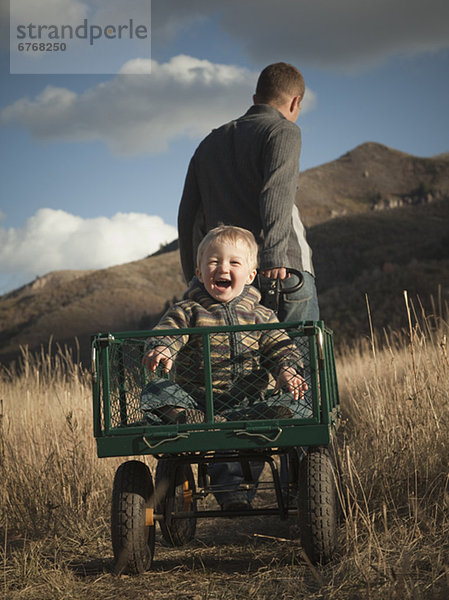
[
  {"x": 289, "y": 379},
  {"x": 159, "y": 354}
]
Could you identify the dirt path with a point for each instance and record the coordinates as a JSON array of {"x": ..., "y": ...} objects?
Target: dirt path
[{"x": 256, "y": 557}]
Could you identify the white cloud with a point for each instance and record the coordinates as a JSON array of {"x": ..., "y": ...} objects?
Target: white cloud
[
  {"x": 134, "y": 114},
  {"x": 54, "y": 239}
]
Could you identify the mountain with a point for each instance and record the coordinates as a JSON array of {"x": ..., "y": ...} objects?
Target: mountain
[
  {"x": 370, "y": 177},
  {"x": 67, "y": 304},
  {"x": 378, "y": 224}
]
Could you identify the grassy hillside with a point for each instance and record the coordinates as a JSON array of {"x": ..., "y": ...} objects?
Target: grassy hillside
[
  {"x": 63, "y": 305},
  {"x": 375, "y": 254},
  {"x": 381, "y": 254}
]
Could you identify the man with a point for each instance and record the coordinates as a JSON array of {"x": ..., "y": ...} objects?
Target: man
[{"x": 245, "y": 173}]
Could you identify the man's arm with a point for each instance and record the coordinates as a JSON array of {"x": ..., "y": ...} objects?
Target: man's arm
[
  {"x": 187, "y": 213},
  {"x": 277, "y": 197}
]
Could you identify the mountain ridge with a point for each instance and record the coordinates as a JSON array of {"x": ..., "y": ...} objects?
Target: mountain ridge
[{"x": 371, "y": 176}]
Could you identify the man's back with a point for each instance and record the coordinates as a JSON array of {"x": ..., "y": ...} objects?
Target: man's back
[
  {"x": 230, "y": 165},
  {"x": 246, "y": 173}
]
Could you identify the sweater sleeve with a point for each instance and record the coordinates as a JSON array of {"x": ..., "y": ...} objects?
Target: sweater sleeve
[
  {"x": 174, "y": 318},
  {"x": 277, "y": 197},
  {"x": 279, "y": 349},
  {"x": 187, "y": 214}
]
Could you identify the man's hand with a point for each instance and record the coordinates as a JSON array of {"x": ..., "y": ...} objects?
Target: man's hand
[
  {"x": 277, "y": 273},
  {"x": 159, "y": 354},
  {"x": 289, "y": 379}
]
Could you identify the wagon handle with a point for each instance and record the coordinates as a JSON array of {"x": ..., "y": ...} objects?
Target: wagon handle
[
  {"x": 293, "y": 288},
  {"x": 94, "y": 362},
  {"x": 169, "y": 439},
  {"x": 261, "y": 435},
  {"x": 271, "y": 289}
]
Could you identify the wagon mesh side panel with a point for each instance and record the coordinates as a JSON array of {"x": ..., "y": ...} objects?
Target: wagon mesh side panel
[
  {"x": 244, "y": 380},
  {"x": 127, "y": 378}
]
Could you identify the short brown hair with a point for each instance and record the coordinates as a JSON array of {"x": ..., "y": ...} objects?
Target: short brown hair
[
  {"x": 278, "y": 81},
  {"x": 232, "y": 235}
]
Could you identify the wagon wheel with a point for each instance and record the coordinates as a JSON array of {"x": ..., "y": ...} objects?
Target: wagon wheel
[
  {"x": 318, "y": 504},
  {"x": 175, "y": 489},
  {"x": 132, "y": 526}
]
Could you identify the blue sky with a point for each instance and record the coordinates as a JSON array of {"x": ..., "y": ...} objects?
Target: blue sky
[{"x": 93, "y": 165}]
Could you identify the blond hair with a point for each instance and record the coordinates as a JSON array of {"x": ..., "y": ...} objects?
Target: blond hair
[{"x": 230, "y": 234}]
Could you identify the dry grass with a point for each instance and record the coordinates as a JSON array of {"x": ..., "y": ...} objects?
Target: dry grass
[
  {"x": 395, "y": 462},
  {"x": 394, "y": 536}
]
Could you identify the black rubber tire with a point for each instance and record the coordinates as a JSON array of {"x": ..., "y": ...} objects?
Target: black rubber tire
[
  {"x": 175, "y": 489},
  {"x": 318, "y": 505},
  {"x": 132, "y": 540}
]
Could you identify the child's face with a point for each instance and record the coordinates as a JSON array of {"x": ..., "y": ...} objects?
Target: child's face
[{"x": 224, "y": 270}]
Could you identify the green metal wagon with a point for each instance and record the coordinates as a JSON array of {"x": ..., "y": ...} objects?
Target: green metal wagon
[{"x": 300, "y": 441}]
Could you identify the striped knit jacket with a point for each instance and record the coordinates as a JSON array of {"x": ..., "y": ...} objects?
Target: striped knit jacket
[{"x": 241, "y": 361}]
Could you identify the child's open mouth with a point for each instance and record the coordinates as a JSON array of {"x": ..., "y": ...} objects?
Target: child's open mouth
[{"x": 222, "y": 283}]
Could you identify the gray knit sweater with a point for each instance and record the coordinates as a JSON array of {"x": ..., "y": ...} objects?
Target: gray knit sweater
[{"x": 245, "y": 173}]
